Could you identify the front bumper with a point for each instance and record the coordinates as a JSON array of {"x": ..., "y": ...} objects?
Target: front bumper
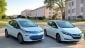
[
  {"x": 33, "y": 37},
  {"x": 72, "y": 37}
]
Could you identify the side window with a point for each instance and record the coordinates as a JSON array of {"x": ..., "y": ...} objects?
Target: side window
[
  {"x": 50, "y": 23},
  {"x": 15, "y": 24},
  {"x": 10, "y": 22},
  {"x": 54, "y": 25}
]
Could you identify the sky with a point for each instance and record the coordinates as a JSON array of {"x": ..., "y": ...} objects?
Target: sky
[{"x": 14, "y": 7}]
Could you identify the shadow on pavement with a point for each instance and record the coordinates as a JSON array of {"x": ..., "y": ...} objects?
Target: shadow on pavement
[{"x": 48, "y": 42}]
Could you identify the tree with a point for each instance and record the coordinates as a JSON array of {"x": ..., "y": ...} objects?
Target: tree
[
  {"x": 2, "y": 7},
  {"x": 4, "y": 16},
  {"x": 58, "y": 3},
  {"x": 56, "y": 12}
]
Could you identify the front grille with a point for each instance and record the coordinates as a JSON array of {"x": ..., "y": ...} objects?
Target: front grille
[
  {"x": 76, "y": 36},
  {"x": 36, "y": 37}
]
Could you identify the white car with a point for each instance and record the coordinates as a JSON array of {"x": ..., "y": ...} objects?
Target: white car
[
  {"x": 62, "y": 31},
  {"x": 24, "y": 30}
]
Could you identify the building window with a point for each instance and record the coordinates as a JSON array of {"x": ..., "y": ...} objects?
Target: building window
[
  {"x": 72, "y": 3},
  {"x": 81, "y": 9},
  {"x": 82, "y": 1},
  {"x": 73, "y": 10},
  {"x": 69, "y": 11}
]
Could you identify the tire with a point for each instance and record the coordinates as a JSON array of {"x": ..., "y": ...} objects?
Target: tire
[
  {"x": 20, "y": 39},
  {"x": 45, "y": 32},
  {"x": 6, "y": 34},
  {"x": 58, "y": 38}
]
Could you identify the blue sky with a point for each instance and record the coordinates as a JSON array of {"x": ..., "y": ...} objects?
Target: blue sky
[{"x": 15, "y": 7}]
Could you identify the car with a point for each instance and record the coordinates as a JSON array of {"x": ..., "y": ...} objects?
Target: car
[
  {"x": 24, "y": 30},
  {"x": 62, "y": 31}
]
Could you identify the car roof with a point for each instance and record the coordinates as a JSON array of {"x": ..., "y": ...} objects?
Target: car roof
[
  {"x": 20, "y": 19},
  {"x": 58, "y": 20}
]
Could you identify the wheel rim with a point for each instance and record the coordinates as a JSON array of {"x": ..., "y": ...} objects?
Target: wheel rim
[
  {"x": 58, "y": 38},
  {"x": 45, "y": 32},
  {"x": 20, "y": 39},
  {"x": 6, "y": 33}
]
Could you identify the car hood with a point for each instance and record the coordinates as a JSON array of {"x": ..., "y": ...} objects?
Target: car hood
[
  {"x": 74, "y": 30},
  {"x": 33, "y": 29}
]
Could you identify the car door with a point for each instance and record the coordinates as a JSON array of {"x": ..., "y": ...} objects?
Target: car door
[
  {"x": 9, "y": 27},
  {"x": 48, "y": 27},
  {"x": 53, "y": 29},
  {"x": 15, "y": 29}
]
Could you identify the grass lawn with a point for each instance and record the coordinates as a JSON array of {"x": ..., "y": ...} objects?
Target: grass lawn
[{"x": 3, "y": 23}]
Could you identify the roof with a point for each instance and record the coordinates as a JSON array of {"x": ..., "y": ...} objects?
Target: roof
[
  {"x": 57, "y": 20},
  {"x": 20, "y": 19}
]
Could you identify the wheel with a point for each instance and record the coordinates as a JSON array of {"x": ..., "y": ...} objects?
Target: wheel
[
  {"x": 45, "y": 32},
  {"x": 6, "y": 34},
  {"x": 20, "y": 39},
  {"x": 58, "y": 38}
]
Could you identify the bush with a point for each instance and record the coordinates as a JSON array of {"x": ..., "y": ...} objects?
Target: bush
[
  {"x": 79, "y": 16},
  {"x": 28, "y": 17},
  {"x": 3, "y": 17},
  {"x": 20, "y": 16},
  {"x": 41, "y": 18}
]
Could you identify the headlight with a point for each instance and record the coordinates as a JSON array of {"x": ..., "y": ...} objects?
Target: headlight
[
  {"x": 25, "y": 31},
  {"x": 66, "y": 33}
]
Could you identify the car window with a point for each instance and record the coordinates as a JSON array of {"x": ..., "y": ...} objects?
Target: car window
[
  {"x": 10, "y": 22},
  {"x": 50, "y": 23},
  {"x": 54, "y": 25},
  {"x": 14, "y": 24}
]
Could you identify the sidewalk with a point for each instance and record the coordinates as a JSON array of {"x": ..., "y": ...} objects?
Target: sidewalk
[{"x": 1, "y": 29}]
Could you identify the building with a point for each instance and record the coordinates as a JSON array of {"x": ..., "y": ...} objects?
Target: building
[
  {"x": 39, "y": 12},
  {"x": 74, "y": 9},
  {"x": 26, "y": 12}
]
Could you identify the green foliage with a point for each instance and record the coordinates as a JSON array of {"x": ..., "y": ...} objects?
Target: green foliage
[
  {"x": 54, "y": 16},
  {"x": 49, "y": 3},
  {"x": 28, "y": 17},
  {"x": 2, "y": 7},
  {"x": 20, "y": 16},
  {"x": 58, "y": 3},
  {"x": 80, "y": 16},
  {"x": 41, "y": 18},
  {"x": 4, "y": 16}
]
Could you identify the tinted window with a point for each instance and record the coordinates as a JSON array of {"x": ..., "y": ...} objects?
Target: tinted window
[
  {"x": 65, "y": 24},
  {"x": 27, "y": 23},
  {"x": 54, "y": 25},
  {"x": 14, "y": 24},
  {"x": 10, "y": 22},
  {"x": 50, "y": 23}
]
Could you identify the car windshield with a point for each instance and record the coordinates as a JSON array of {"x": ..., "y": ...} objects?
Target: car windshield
[
  {"x": 65, "y": 24},
  {"x": 27, "y": 23}
]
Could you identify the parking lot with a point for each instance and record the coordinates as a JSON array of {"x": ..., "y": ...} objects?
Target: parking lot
[{"x": 48, "y": 42}]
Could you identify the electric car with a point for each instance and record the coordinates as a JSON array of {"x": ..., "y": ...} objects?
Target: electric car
[
  {"x": 62, "y": 31},
  {"x": 24, "y": 30}
]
